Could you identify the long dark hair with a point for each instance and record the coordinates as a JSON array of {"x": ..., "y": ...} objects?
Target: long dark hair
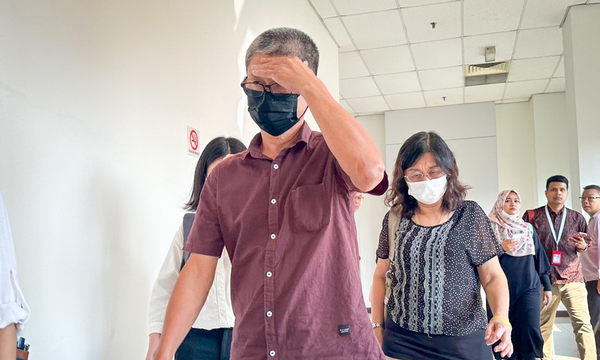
[
  {"x": 215, "y": 149},
  {"x": 411, "y": 151}
]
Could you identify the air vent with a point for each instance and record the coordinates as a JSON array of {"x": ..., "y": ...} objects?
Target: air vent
[{"x": 489, "y": 73}]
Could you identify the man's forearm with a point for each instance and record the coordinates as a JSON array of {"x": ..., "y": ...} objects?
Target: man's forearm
[
  {"x": 378, "y": 301},
  {"x": 187, "y": 300},
  {"x": 352, "y": 146}
]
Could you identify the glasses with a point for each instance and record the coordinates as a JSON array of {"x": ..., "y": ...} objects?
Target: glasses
[
  {"x": 256, "y": 89},
  {"x": 588, "y": 198},
  {"x": 433, "y": 174}
]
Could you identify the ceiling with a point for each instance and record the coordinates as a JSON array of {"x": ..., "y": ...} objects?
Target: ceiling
[{"x": 391, "y": 57}]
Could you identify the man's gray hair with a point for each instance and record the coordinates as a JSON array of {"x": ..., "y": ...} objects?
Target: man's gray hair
[
  {"x": 592, "y": 187},
  {"x": 287, "y": 42}
]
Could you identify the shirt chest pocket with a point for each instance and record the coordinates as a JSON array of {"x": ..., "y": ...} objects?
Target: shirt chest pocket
[{"x": 311, "y": 208}]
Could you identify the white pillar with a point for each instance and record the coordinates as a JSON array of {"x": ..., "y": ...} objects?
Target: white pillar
[{"x": 581, "y": 42}]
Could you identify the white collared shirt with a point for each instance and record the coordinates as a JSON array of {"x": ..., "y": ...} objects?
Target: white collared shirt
[
  {"x": 13, "y": 308},
  {"x": 217, "y": 311}
]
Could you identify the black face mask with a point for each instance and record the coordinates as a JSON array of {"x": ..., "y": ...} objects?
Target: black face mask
[{"x": 274, "y": 113}]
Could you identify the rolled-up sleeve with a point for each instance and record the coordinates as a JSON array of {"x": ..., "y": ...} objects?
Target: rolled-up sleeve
[
  {"x": 13, "y": 308},
  {"x": 205, "y": 236}
]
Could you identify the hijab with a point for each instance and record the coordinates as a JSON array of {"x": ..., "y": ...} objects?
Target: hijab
[{"x": 511, "y": 227}]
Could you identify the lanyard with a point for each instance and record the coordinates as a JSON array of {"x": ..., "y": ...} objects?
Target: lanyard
[{"x": 562, "y": 224}]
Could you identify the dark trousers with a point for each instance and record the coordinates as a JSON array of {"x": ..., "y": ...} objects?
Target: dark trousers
[
  {"x": 594, "y": 306},
  {"x": 200, "y": 344}
]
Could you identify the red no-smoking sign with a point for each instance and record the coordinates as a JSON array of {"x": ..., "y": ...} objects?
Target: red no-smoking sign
[{"x": 192, "y": 141}]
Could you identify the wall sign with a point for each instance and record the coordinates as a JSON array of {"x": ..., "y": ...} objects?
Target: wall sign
[{"x": 192, "y": 141}]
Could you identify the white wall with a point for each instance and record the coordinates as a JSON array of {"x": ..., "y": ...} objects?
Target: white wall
[
  {"x": 469, "y": 130},
  {"x": 551, "y": 140},
  {"x": 516, "y": 151},
  {"x": 371, "y": 212},
  {"x": 95, "y": 97}
]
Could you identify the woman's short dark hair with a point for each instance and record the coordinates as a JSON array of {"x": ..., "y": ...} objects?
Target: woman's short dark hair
[
  {"x": 411, "y": 151},
  {"x": 215, "y": 149}
]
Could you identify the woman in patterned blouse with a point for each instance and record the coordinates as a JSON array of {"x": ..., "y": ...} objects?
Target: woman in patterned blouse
[{"x": 443, "y": 251}]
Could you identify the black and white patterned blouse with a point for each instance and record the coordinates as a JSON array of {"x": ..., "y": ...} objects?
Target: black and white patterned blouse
[{"x": 435, "y": 284}]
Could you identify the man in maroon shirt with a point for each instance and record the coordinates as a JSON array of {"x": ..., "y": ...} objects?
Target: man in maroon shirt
[
  {"x": 558, "y": 229},
  {"x": 284, "y": 211}
]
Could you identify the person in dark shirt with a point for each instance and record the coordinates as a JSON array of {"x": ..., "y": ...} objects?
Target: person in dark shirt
[
  {"x": 526, "y": 267},
  {"x": 558, "y": 229},
  {"x": 284, "y": 210}
]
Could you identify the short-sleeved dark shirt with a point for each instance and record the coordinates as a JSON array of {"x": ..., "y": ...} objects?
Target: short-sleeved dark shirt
[
  {"x": 570, "y": 269},
  {"x": 435, "y": 283},
  {"x": 288, "y": 226}
]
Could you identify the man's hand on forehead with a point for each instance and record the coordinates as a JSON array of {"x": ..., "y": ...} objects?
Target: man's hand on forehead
[{"x": 288, "y": 71}]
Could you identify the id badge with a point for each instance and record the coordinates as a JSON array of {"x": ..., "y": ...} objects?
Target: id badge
[{"x": 556, "y": 257}]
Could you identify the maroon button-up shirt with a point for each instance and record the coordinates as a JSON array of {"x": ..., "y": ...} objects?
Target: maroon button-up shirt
[
  {"x": 569, "y": 270},
  {"x": 289, "y": 228}
]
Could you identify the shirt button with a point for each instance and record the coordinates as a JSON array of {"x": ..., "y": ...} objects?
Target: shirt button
[
  {"x": 273, "y": 201},
  {"x": 269, "y": 274},
  {"x": 269, "y": 313},
  {"x": 272, "y": 352},
  {"x": 273, "y": 236},
  {"x": 275, "y": 166}
]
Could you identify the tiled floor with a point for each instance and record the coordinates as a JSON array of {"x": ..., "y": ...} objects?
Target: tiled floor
[{"x": 565, "y": 347}]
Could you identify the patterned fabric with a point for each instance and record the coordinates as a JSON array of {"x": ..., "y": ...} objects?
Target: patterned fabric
[
  {"x": 435, "y": 284},
  {"x": 570, "y": 269},
  {"x": 509, "y": 227}
]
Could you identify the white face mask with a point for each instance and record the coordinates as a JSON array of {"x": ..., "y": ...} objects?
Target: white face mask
[
  {"x": 512, "y": 217},
  {"x": 429, "y": 191}
]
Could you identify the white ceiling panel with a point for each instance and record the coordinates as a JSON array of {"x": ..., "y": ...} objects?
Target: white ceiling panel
[
  {"x": 398, "y": 83},
  {"x": 351, "y": 7},
  {"x": 339, "y": 33},
  {"x": 556, "y": 85},
  {"x": 442, "y": 78},
  {"x": 324, "y": 8},
  {"x": 437, "y": 54},
  {"x": 593, "y": 1},
  {"x": 376, "y": 30},
  {"x": 351, "y": 65},
  {"x": 406, "y": 101},
  {"x": 524, "y": 89},
  {"x": 359, "y": 87},
  {"x": 388, "y": 60},
  {"x": 543, "y": 13},
  {"x": 539, "y": 42},
  {"x": 491, "y": 92},
  {"x": 407, "y": 3},
  {"x": 444, "y": 97},
  {"x": 560, "y": 68},
  {"x": 346, "y": 106},
  {"x": 447, "y": 17},
  {"x": 369, "y": 104},
  {"x": 529, "y": 69},
  {"x": 484, "y": 17},
  {"x": 475, "y": 46}
]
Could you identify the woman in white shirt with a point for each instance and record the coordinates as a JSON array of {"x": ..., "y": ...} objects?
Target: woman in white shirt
[
  {"x": 210, "y": 336},
  {"x": 14, "y": 311}
]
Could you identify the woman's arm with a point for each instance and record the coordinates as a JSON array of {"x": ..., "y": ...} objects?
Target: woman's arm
[
  {"x": 495, "y": 286},
  {"x": 378, "y": 303},
  {"x": 162, "y": 290},
  {"x": 8, "y": 342}
]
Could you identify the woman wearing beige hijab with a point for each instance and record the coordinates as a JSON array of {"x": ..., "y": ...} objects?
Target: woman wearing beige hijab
[{"x": 526, "y": 267}]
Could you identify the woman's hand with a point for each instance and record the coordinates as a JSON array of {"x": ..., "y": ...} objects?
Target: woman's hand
[
  {"x": 498, "y": 330},
  {"x": 508, "y": 245},
  {"x": 379, "y": 335},
  {"x": 548, "y": 297},
  {"x": 153, "y": 341}
]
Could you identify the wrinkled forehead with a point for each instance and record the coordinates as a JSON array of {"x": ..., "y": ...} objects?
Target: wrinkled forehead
[{"x": 591, "y": 192}]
